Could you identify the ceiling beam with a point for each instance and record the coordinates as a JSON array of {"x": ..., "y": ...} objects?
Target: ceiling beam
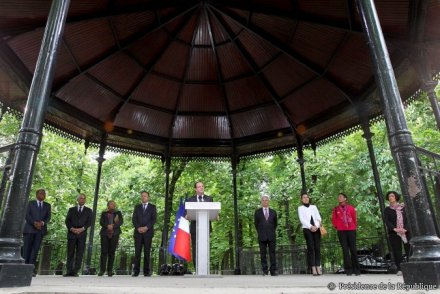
[
  {"x": 287, "y": 51},
  {"x": 261, "y": 78},
  {"x": 126, "y": 45},
  {"x": 111, "y": 11},
  {"x": 295, "y": 14}
]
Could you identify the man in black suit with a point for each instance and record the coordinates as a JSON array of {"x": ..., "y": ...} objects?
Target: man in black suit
[
  {"x": 199, "y": 196},
  {"x": 144, "y": 218},
  {"x": 37, "y": 216},
  {"x": 265, "y": 220},
  {"x": 78, "y": 220}
]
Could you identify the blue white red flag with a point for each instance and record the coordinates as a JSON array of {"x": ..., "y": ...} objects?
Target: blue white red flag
[{"x": 180, "y": 239}]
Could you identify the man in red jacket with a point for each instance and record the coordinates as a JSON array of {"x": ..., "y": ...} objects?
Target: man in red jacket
[{"x": 344, "y": 221}]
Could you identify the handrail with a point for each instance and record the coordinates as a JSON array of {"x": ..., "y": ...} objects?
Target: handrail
[
  {"x": 7, "y": 148},
  {"x": 427, "y": 152}
]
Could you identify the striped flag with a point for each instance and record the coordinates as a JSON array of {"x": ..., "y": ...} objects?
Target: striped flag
[{"x": 180, "y": 239}]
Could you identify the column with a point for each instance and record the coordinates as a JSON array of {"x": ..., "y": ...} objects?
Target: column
[
  {"x": 87, "y": 269},
  {"x": 424, "y": 264},
  {"x": 13, "y": 271}
]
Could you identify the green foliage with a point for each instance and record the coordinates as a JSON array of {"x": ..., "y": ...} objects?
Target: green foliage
[{"x": 64, "y": 170}]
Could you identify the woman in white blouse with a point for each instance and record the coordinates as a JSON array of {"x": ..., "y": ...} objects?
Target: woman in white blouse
[{"x": 311, "y": 222}]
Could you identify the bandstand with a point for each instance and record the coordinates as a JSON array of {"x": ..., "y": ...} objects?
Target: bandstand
[{"x": 217, "y": 79}]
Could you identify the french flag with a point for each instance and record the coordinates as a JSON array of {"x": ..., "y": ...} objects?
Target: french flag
[{"x": 180, "y": 239}]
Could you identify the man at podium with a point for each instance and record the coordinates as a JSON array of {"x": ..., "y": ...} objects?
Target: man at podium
[{"x": 198, "y": 197}]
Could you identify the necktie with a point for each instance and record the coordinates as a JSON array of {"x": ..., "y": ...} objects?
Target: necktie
[
  {"x": 145, "y": 207},
  {"x": 40, "y": 205},
  {"x": 80, "y": 209},
  {"x": 200, "y": 199},
  {"x": 266, "y": 214}
]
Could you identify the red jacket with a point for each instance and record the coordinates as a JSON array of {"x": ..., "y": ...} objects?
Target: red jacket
[{"x": 344, "y": 218}]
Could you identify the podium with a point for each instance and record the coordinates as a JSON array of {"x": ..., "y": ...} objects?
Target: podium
[{"x": 202, "y": 213}]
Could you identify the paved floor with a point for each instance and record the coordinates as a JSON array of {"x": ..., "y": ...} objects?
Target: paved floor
[{"x": 216, "y": 284}]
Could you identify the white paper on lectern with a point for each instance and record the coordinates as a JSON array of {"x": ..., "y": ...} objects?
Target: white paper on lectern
[{"x": 213, "y": 209}]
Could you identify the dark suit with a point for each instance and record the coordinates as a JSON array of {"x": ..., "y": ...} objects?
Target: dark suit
[
  {"x": 32, "y": 237},
  {"x": 109, "y": 239},
  {"x": 76, "y": 243},
  {"x": 266, "y": 238},
  {"x": 193, "y": 226},
  {"x": 143, "y": 218}
]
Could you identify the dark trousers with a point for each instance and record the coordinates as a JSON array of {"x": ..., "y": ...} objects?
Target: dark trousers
[
  {"x": 193, "y": 247},
  {"x": 141, "y": 240},
  {"x": 264, "y": 245},
  {"x": 31, "y": 246},
  {"x": 108, "y": 249},
  {"x": 75, "y": 253},
  {"x": 396, "y": 247},
  {"x": 348, "y": 243},
  {"x": 313, "y": 241}
]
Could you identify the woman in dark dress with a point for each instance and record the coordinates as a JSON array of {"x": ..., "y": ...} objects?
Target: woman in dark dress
[
  {"x": 395, "y": 220},
  {"x": 110, "y": 221}
]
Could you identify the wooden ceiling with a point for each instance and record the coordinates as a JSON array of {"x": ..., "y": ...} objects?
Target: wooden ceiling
[{"x": 212, "y": 78}]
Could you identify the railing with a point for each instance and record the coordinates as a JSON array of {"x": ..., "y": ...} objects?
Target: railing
[
  {"x": 5, "y": 167},
  {"x": 291, "y": 259},
  {"x": 429, "y": 165},
  {"x": 53, "y": 255}
]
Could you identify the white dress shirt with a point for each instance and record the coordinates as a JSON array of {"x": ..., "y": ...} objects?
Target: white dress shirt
[{"x": 304, "y": 214}]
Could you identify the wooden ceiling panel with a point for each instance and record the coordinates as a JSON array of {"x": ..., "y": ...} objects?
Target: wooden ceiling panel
[
  {"x": 119, "y": 72},
  {"x": 232, "y": 62},
  {"x": 246, "y": 93},
  {"x": 89, "y": 40},
  {"x": 257, "y": 121},
  {"x": 202, "y": 66},
  {"x": 310, "y": 39},
  {"x": 173, "y": 61},
  {"x": 312, "y": 101},
  {"x": 285, "y": 75},
  {"x": 85, "y": 95},
  {"x": 201, "y": 127},
  {"x": 144, "y": 120},
  {"x": 202, "y": 98},
  {"x": 137, "y": 23},
  {"x": 157, "y": 91},
  {"x": 146, "y": 50},
  {"x": 351, "y": 65}
]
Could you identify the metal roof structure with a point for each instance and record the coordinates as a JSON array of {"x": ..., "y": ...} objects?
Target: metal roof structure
[{"x": 213, "y": 78}]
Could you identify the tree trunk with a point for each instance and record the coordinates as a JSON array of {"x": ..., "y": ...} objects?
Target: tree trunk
[{"x": 289, "y": 229}]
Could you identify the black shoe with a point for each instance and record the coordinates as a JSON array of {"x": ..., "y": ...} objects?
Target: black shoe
[
  {"x": 265, "y": 273},
  {"x": 274, "y": 274},
  {"x": 100, "y": 274},
  {"x": 147, "y": 274},
  {"x": 110, "y": 274},
  {"x": 135, "y": 274},
  {"x": 34, "y": 274}
]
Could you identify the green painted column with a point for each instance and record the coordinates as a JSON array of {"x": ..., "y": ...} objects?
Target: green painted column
[
  {"x": 424, "y": 263},
  {"x": 13, "y": 271}
]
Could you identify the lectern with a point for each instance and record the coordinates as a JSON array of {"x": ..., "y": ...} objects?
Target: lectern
[{"x": 202, "y": 213}]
